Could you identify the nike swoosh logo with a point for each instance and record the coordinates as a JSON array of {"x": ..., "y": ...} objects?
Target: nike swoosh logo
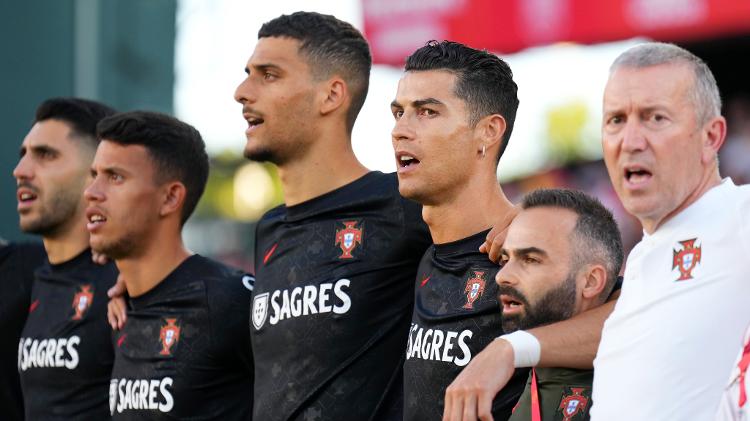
[
  {"x": 268, "y": 255},
  {"x": 424, "y": 281},
  {"x": 121, "y": 339},
  {"x": 34, "y": 305}
]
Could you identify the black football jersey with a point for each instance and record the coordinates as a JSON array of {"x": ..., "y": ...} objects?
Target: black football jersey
[
  {"x": 65, "y": 352},
  {"x": 17, "y": 264},
  {"x": 456, "y": 315},
  {"x": 332, "y": 303},
  {"x": 184, "y": 352}
]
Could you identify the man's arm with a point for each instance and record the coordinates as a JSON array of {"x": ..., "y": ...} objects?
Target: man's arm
[{"x": 570, "y": 343}]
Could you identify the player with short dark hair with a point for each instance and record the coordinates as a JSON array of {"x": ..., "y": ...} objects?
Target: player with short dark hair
[
  {"x": 447, "y": 138},
  {"x": 65, "y": 340},
  {"x": 185, "y": 350},
  {"x": 335, "y": 263},
  {"x": 561, "y": 257}
]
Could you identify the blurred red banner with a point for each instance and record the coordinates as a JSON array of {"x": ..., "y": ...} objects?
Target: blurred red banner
[{"x": 395, "y": 28}]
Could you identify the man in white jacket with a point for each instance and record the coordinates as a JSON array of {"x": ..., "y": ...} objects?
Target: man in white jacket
[{"x": 667, "y": 348}]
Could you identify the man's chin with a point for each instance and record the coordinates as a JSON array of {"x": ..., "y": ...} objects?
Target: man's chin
[{"x": 261, "y": 155}]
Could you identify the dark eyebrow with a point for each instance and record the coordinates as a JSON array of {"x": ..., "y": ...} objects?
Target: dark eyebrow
[
  {"x": 427, "y": 101},
  {"x": 529, "y": 250},
  {"x": 37, "y": 149},
  {"x": 419, "y": 103}
]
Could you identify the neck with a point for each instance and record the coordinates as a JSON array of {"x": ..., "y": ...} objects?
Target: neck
[
  {"x": 68, "y": 243},
  {"x": 153, "y": 263},
  {"x": 474, "y": 208},
  {"x": 329, "y": 164},
  {"x": 710, "y": 180}
]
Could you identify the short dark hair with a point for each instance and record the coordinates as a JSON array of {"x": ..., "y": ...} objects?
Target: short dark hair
[
  {"x": 331, "y": 46},
  {"x": 175, "y": 147},
  {"x": 597, "y": 237},
  {"x": 483, "y": 80},
  {"x": 82, "y": 115}
]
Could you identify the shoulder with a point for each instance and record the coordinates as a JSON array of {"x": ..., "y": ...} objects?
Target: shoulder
[{"x": 224, "y": 283}]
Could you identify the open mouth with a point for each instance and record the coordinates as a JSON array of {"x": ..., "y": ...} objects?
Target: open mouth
[
  {"x": 95, "y": 219},
  {"x": 511, "y": 304},
  {"x": 25, "y": 198},
  {"x": 405, "y": 160},
  {"x": 636, "y": 175},
  {"x": 253, "y": 121}
]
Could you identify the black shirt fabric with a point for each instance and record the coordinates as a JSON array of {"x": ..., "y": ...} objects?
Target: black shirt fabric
[
  {"x": 65, "y": 353},
  {"x": 17, "y": 264},
  {"x": 456, "y": 315},
  {"x": 332, "y": 303},
  {"x": 184, "y": 352}
]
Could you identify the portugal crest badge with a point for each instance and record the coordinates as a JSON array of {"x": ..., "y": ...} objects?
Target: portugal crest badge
[
  {"x": 687, "y": 259},
  {"x": 574, "y": 402},
  {"x": 169, "y": 335},
  {"x": 347, "y": 238},
  {"x": 82, "y": 301},
  {"x": 474, "y": 288}
]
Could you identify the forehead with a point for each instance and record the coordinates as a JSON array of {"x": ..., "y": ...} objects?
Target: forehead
[
  {"x": 663, "y": 84},
  {"x": 547, "y": 228},
  {"x": 52, "y": 133},
  {"x": 277, "y": 51},
  {"x": 416, "y": 85},
  {"x": 132, "y": 158}
]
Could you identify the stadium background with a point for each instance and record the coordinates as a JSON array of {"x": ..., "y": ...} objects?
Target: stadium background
[{"x": 186, "y": 56}]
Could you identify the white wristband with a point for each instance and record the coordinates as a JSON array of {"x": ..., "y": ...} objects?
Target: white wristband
[{"x": 526, "y": 348}]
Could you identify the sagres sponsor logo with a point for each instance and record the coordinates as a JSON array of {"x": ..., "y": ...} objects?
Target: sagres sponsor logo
[
  {"x": 260, "y": 310},
  {"x": 140, "y": 394},
  {"x": 82, "y": 301},
  {"x": 51, "y": 352},
  {"x": 278, "y": 305},
  {"x": 687, "y": 259},
  {"x": 169, "y": 335},
  {"x": 439, "y": 345},
  {"x": 348, "y": 237}
]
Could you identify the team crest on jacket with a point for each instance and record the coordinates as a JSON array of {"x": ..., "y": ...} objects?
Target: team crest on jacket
[
  {"x": 82, "y": 301},
  {"x": 474, "y": 288},
  {"x": 574, "y": 402},
  {"x": 347, "y": 238},
  {"x": 687, "y": 259},
  {"x": 260, "y": 310},
  {"x": 169, "y": 335}
]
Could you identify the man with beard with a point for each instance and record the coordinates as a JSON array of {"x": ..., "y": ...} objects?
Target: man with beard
[
  {"x": 335, "y": 263},
  {"x": 454, "y": 110},
  {"x": 561, "y": 257},
  {"x": 65, "y": 340},
  {"x": 185, "y": 350}
]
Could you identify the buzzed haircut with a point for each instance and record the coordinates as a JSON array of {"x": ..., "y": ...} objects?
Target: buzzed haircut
[
  {"x": 483, "y": 80},
  {"x": 82, "y": 115},
  {"x": 331, "y": 47},
  {"x": 704, "y": 92},
  {"x": 596, "y": 237},
  {"x": 175, "y": 147}
]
